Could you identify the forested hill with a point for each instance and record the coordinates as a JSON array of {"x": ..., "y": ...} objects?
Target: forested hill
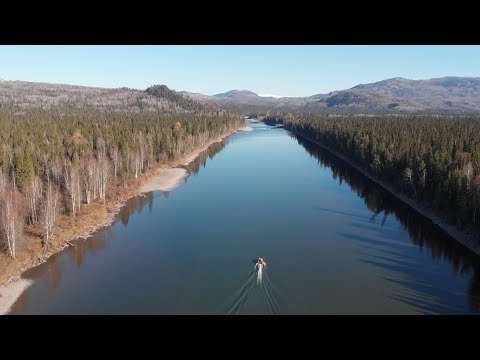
[
  {"x": 441, "y": 95},
  {"x": 65, "y": 147},
  {"x": 454, "y": 95},
  {"x": 21, "y": 95}
]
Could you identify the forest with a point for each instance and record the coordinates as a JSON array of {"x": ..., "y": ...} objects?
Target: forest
[
  {"x": 434, "y": 159},
  {"x": 56, "y": 160}
]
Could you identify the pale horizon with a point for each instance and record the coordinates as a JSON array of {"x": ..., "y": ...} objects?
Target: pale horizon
[{"x": 281, "y": 71}]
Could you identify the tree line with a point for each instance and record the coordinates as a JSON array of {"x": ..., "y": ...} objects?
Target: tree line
[
  {"x": 54, "y": 161},
  {"x": 434, "y": 159}
]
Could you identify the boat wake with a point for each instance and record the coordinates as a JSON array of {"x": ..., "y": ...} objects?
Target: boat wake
[
  {"x": 257, "y": 279},
  {"x": 259, "y": 268}
]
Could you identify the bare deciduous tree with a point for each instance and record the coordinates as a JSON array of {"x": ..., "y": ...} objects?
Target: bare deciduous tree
[
  {"x": 72, "y": 185},
  {"x": 56, "y": 169},
  {"x": 103, "y": 174},
  {"x": 3, "y": 182},
  {"x": 408, "y": 177},
  {"x": 136, "y": 163},
  {"x": 50, "y": 211},
  {"x": 88, "y": 170},
  {"x": 468, "y": 170},
  {"x": 11, "y": 220},
  {"x": 126, "y": 167},
  {"x": 34, "y": 195},
  {"x": 116, "y": 158}
]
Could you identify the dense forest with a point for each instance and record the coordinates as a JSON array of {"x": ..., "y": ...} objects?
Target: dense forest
[
  {"x": 433, "y": 159},
  {"x": 54, "y": 161}
]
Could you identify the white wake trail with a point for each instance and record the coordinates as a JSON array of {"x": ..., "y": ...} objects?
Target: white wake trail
[
  {"x": 259, "y": 273},
  {"x": 264, "y": 283}
]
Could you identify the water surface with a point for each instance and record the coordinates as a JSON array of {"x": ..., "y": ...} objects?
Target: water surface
[{"x": 335, "y": 243}]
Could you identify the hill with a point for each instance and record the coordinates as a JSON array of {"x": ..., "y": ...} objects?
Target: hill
[
  {"x": 439, "y": 95},
  {"x": 24, "y": 95}
]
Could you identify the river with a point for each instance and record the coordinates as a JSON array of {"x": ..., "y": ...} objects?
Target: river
[{"x": 334, "y": 243}]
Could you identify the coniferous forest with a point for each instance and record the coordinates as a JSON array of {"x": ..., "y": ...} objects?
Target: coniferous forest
[
  {"x": 433, "y": 159},
  {"x": 54, "y": 161}
]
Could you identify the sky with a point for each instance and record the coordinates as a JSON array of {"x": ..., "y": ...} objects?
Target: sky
[{"x": 277, "y": 70}]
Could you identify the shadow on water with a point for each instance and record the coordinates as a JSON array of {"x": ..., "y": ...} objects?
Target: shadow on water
[{"x": 411, "y": 276}]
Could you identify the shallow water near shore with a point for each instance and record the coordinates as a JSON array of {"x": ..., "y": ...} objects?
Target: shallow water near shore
[{"x": 335, "y": 243}]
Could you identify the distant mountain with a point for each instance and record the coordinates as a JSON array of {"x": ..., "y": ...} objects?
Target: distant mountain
[
  {"x": 236, "y": 94},
  {"x": 354, "y": 101},
  {"x": 447, "y": 94},
  {"x": 196, "y": 96},
  {"x": 22, "y": 95},
  {"x": 439, "y": 95},
  {"x": 245, "y": 101},
  {"x": 321, "y": 96},
  {"x": 450, "y": 93}
]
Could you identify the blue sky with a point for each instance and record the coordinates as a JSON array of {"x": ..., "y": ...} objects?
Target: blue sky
[{"x": 278, "y": 70}]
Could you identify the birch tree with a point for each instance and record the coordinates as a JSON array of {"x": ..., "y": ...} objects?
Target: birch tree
[
  {"x": 103, "y": 175},
  {"x": 116, "y": 158},
  {"x": 11, "y": 220},
  {"x": 34, "y": 195},
  {"x": 72, "y": 186},
  {"x": 50, "y": 212},
  {"x": 88, "y": 175},
  {"x": 136, "y": 163},
  {"x": 3, "y": 182}
]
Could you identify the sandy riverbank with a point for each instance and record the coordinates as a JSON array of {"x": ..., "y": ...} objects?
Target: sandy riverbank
[
  {"x": 166, "y": 177},
  {"x": 166, "y": 180},
  {"x": 245, "y": 128},
  {"x": 10, "y": 293},
  {"x": 459, "y": 235}
]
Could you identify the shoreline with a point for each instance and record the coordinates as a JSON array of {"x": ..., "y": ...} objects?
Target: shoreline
[
  {"x": 165, "y": 180},
  {"x": 164, "y": 177},
  {"x": 460, "y": 236},
  {"x": 245, "y": 128},
  {"x": 11, "y": 292}
]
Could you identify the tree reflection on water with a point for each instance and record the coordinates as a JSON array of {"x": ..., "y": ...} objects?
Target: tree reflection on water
[{"x": 406, "y": 270}]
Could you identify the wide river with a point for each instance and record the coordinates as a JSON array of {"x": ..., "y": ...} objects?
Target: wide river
[{"x": 334, "y": 243}]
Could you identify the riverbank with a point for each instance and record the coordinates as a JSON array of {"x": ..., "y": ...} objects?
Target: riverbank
[
  {"x": 166, "y": 180},
  {"x": 11, "y": 292},
  {"x": 245, "y": 128},
  {"x": 92, "y": 217},
  {"x": 462, "y": 237}
]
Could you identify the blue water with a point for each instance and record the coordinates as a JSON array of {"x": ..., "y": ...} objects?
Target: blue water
[{"x": 334, "y": 242}]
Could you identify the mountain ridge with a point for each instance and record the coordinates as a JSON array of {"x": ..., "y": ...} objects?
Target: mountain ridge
[
  {"x": 22, "y": 95},
  {"x": 449, "y": 94},
  {"x": 453, "y": 94}
]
